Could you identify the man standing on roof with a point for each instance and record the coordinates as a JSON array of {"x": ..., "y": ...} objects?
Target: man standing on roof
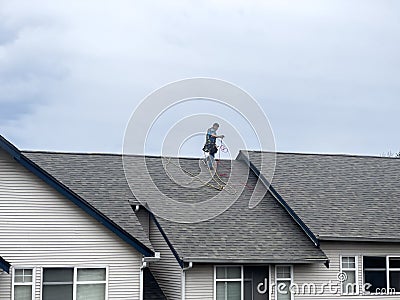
[{"x": 210, "y": 147}]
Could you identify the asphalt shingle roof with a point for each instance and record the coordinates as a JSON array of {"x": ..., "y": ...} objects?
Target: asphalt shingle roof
[
  {"x": 340, "y": 196},
  {"x": 264, "y": 233}
]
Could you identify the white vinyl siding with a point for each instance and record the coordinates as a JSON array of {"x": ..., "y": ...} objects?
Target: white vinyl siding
[
  {"x": 166, "y": 271},
  {"x": 40, "y": 227},
  {"x": 200, "y": 282}
]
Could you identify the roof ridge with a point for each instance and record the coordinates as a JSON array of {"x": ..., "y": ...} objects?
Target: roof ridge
[
  {"x": 324, "y": 154},
  {"x": 113, "y": 154},
  {"x": 71, "y": 152},
  {"x": 194, "y": 158}
]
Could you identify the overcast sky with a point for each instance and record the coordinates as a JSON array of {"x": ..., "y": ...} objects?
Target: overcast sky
[{"x": 327, "y": 73}]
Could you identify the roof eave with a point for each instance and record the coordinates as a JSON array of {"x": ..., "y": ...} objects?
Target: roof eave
[
  {"x": 205, "y": 260},
  {"x": 358, "y": 239},
  {"x": 76, "y": 199},
  {"x": 5, "y": 265}
]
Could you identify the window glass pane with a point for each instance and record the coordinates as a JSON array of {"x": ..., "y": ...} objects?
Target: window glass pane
[
  {"x": 221, "y": 290},
  {"x": 348, "y": 286},
  {"x": 58, "y": 275},
  {"x": 57, "y": 292},
  {"x": 229, "y": 290},
  {"x": 283, "y": 290},
  {"x": 234, "y": 290},
  {"x": 234, "y": 272},
  {"x": 91, "y": 274},
  {"x": 374, "y": 262},
  {"x": 19, "y": 278},
  {"x": 394, "y": 279},
  {"x": 91, "y": 292},
  {"x": 23, "y": 275},
  {"x": 283, "y": 272},
  {"x": 23, "y": 292},
  {"x": 377, "y": 279},
  {"x": 229, "y": 273},
  {"x": 348, "y": 262},
  {"x": 394, "y": 262}
]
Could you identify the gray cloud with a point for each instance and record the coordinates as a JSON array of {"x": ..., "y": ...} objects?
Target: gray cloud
[{"x": 327, "y": 73}]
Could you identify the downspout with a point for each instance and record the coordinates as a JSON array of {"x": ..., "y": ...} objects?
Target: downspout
[
  {"x": 145, "y": 263},
  {"x": 141, "y": 280},
  {"x": 183, "y": 282}
]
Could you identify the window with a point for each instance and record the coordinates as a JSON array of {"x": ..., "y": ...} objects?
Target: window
[
  {"x": 348, "y": 267},
  {"x": 241, "y": 283},
  {"x": 382, "y": 274},
  {"x": 284, "y": 276},
  {"x": 91, "y": 284},
  {"x": 394, "y": 273},
  {"x": 229, "y": 283},
  {"x": 23, "y": 284},
  {"x": 85, "y": 283},
  {"x": 58, "y": 283}
]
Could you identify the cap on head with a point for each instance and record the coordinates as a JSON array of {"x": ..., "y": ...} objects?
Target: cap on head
[{"x": 215, "y": 125}]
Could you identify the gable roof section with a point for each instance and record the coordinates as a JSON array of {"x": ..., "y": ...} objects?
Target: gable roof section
[
  {"x": 5, "y": 265},
  {"x": 279, "y": 198},
  {"x": 341, "y": 197},
  {"x": 264, "y": 234},
  {"x": 114, "y": 217}
]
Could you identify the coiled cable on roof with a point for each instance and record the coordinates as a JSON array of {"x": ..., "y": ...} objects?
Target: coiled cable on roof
[{"x": 218, "y": 183}]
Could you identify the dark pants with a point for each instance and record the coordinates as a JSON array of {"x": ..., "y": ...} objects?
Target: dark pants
[{"x": 210, "y": 148}]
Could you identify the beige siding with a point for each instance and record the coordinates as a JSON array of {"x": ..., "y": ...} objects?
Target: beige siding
[
  {"x": 39, "y": 227},
  {"x": 167, "y": 271},
  {"x": 319, "y": 274},
  {"x": 5, "y": 286},
  {"x": 200, "y": 283}
]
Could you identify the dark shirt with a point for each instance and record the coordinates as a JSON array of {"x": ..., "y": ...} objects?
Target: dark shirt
[{"x": 209, "y": 138}]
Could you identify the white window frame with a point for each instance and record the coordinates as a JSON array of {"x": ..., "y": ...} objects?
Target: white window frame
[
  {"x": 241, "y": 279},
  {"x": 386, "y": 269},
  {"x": 284, "y": 279},
  {"x": 32, "y": 284},
  {"x": 355, "y": 269},
  {"x": 75, "y": 278}
]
